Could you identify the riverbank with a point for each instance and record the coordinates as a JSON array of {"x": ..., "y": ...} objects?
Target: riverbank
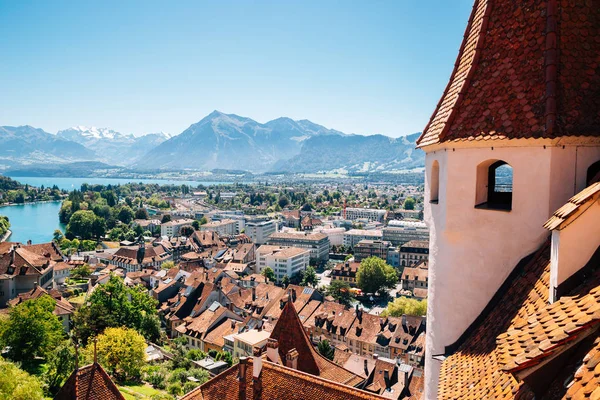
[
  {"x": 29, "y": 202},
  {"x": 6, "y": 235}
]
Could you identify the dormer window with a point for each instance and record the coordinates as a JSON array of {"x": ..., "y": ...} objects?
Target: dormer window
[{"x": 494, "y": 185}]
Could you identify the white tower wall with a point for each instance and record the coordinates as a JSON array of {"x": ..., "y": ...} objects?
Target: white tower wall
[{"x": 472, "y": 251}]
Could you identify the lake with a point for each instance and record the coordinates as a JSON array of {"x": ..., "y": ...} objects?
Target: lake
[
  {"x": 75, "y": 183},
  {"x": 35, "y": 221}
]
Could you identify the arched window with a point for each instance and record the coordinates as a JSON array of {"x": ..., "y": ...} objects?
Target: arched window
[
  {"x": 494, "y": 185},
  {"x": 434, "y": 185},
  {"x": 593, "y": 173}
]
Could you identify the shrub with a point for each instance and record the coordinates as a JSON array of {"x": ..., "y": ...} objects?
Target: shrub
[{"x": 174, "y": 389}]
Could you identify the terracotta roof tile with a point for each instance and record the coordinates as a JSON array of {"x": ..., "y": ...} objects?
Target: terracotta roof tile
[
  {"x": 89, "y": 383},
  {"x": 573, "y": 207},
  {"x": 290, "y": 334},
  {"x": 527, "y": 69},
  {"x": 278, "y": 383}
]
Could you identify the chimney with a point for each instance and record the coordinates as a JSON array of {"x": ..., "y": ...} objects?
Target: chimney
[
  {"x": 253, "y": 294},
  {"x": 256, "y": 370},
  {"x": 242, "y": 366},
  {"x": 232, "y": 322},
  {"x": 386, "y": 377},
  {"x": 366, "y": 368},
  {"x": 404, "y": 323},
  {"x": 375, "y": 356},
  {"x": 272, "y": 350},
  {"x": 291, "y": 359}
]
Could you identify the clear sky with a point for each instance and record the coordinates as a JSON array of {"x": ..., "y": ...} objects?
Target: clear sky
[{"x": 147, "y": 66}]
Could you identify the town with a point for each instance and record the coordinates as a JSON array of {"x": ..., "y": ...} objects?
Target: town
[{"x": 330, "y": 280}]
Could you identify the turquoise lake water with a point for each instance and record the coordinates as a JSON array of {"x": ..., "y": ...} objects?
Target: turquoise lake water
[
  {"x": 36, "y": 222},
  {"x": 75, "y": 183}
]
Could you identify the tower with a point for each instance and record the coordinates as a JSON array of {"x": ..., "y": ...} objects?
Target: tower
[{"x": 514, "y": 136}]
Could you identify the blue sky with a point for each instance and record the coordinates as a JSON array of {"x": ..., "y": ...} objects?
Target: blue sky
[{"x": 146, "y": 66}]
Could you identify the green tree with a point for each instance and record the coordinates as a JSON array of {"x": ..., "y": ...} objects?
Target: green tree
[
  {"x": 375, "y": 276},
  {"x": 165, "y": 218},
  {"x": 340, "y": 291},
  {"x": 269, "y": 274},
  {"x": 141, "y": 213},
  {"x": 32, "y": 330},
  {"x": 285, "y": 281},
  {"x": 81, "y": 271},
  {"x": 116, "y": 305},
  {"x": 122, "y": 352},
  {"x": 309, "y": 277},
  {"x": 167, "y": 265},
  {"x": 126, "y": 215},
  {"x": 203, "y": 221},
  {"x": 81, "y": 224},
  {"x": 196, "y": 224},
  {"x": 409, "y": 203},
  {"x": 325, "y": 349},
  {"x": 4, "y": 225},
  {"x": 405, "y": 306},
  {"x": 186, "y": 230},
  {"x": 16, "y": 384},
  {"x": 59, "y": 366},
  {"x": 57, "y": 236}
]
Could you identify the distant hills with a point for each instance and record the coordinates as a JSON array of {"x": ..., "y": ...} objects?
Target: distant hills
[{"x": 218, "y": 141}]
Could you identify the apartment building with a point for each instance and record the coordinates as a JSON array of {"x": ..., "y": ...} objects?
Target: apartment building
[
  {"x": 370, "y": 214},
  {"x": 345, "y": 272},
  {"x": 226, "y": 227},
  {"x": 317, "y": 243},
  {"x": 259, "y": 231},
  {"x": 413, "y": 252},
  {"x": 416, "y": 279},
  {"x": 353, "y": 236},
  {"x": 285, "y": 261},
  {"x": 371, "y": 248},
  {"x": 400, "y": 234}
]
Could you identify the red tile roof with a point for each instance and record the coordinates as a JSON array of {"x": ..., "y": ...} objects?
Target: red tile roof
[
  {"x": 290, "y": 334},
  {"x": 523, "y": 334},
  {"x": 527, "y": 69},
  {"x": 89, "y": 383},
  {"x": 278, "y": 383},
  {"x": 573, "y": 207}
]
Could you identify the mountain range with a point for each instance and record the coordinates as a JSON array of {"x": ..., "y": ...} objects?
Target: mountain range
[{"x": 224, "y": 141}]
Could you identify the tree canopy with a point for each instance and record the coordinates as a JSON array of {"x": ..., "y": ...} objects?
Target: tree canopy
[
  {"x": 116, "y": 305},
  {"x": 309, "y": 277},
  {"x": 325, "y": 349},
  {"x": 405, "y": 306},
  {"x": 375, "y": 276},
  {"x": 121, "y": 351},
  {"x": 269, "y": 274},
  {"x": 340, "y": 291},
  {"x": 32, "y": 330},
  {"x": 16, "y": 384}
]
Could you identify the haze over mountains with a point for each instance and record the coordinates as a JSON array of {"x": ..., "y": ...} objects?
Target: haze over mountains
[{"x": 224, "y": 141}]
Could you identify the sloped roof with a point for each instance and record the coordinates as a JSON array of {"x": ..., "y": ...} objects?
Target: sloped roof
[
  {"x": 89, "y": 383},
  {"x": 526, "y": 69},
  {"x": 278, "y": 382},
  {"x": 573, "y": 207},
  {"x": 473, "y": 371},
  {"x": 523, "y": 331},
  {"x": 290, "y": 334},
  {"x": 546, "y": 332}
]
